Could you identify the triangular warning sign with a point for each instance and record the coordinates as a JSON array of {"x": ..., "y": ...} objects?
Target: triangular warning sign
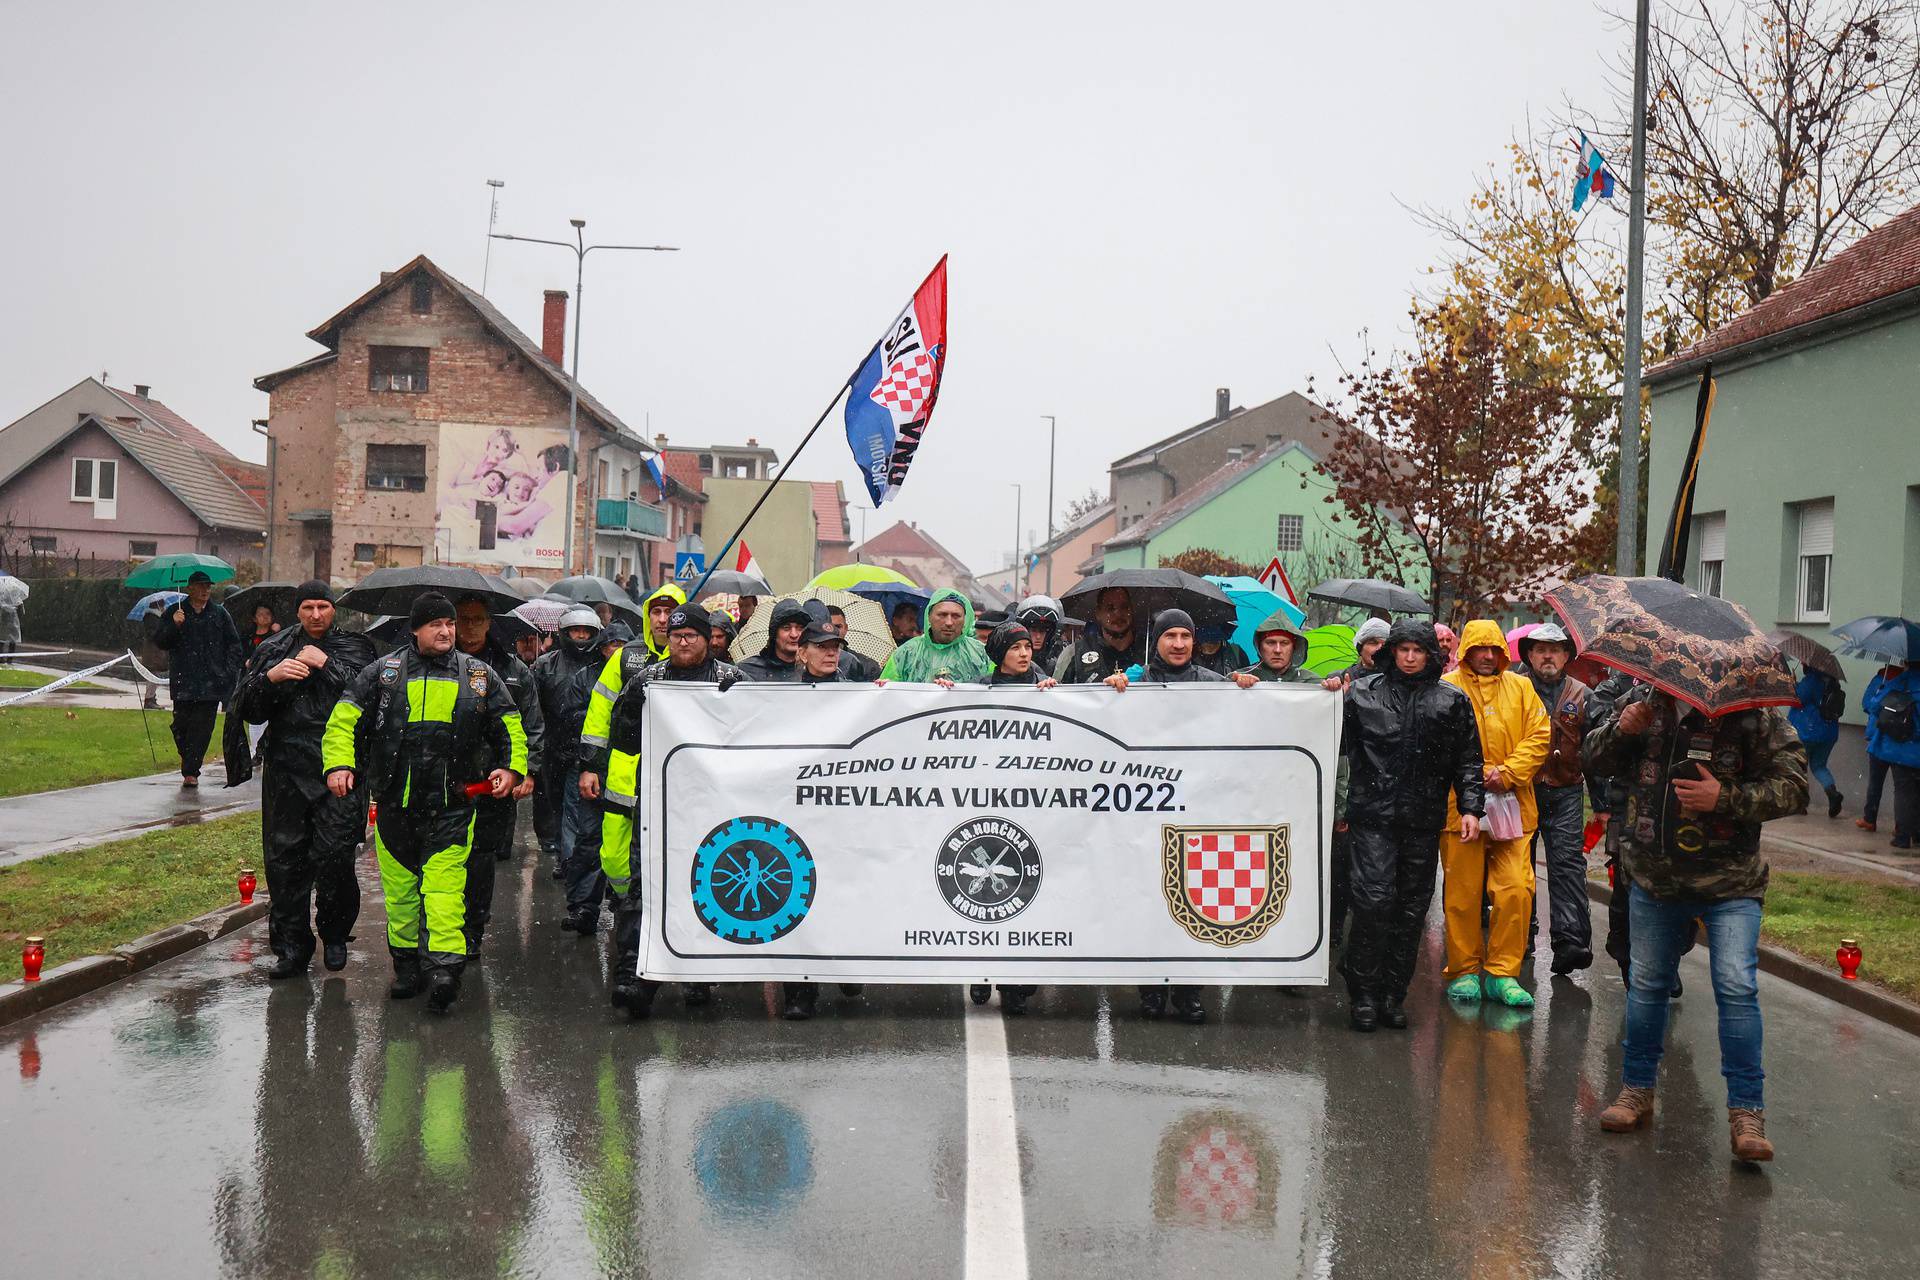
[{"x": 1274, "y": 578}]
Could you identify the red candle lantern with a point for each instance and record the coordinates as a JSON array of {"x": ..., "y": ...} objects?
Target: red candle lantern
[
  {"x": 246, "y": 884},
  {"x": 1848, "y": 958},
  {"x": 475, "y": 790},
  {"x": 32, "y": 956}
]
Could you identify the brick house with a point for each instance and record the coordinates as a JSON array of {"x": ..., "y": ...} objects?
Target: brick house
[
  {"x": 907, "y": 548},
  {"x": 801, "y": 529},
  {"x": 97, "y": 477},
  {"x": 432, "y": 430}
]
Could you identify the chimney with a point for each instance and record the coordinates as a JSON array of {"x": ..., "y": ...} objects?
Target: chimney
[
  {"x": 143, "y": 390},
  {"x": 1222, "y": 403},
  {"x": 660, "y": 440},
  {"x": 1235, "y": 453},
  {"x": 1273, "y": 439},
  {"x": 752, "y": 443},
  {"x": 385, "y": 276},
  {"x": 553, "y": 327}
]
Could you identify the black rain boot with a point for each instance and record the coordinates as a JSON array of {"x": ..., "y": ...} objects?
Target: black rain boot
[
  {"x": 1392, "y": 1014},
  {"x": 443, "y": 985},
  {"x": 406, "y": 975},
  {"x": 334, "y": 956},
  {"x": 1364, "y": 1014},
  {"x": 801, "y": 998},
  {"x": 1153, "y": 1001},
  {"x": 853, "y": 990},
  {"x": 1013, "y": 1000},
  {"x": 980, "y": 992},
  {"x": 696, "y": 995},
  {"x": 289, "y": 966},
  {"x": 1834, "y": 801},
  {"x": 1187, "y": 1006},
  {"x": 1572, "y": 958},
  {"x": 640, "y": 1000}
]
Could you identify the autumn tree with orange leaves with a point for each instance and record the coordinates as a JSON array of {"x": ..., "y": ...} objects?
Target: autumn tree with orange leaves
[{"x": 1447, "y": 456}]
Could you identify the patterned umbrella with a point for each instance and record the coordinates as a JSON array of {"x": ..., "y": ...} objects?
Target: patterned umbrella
[
  {"x": 1809, "y": 653},
  {"x": 546, "y": 612},
  {"x": 1706, "y": 652},
  {"x": 867, "y": 630}
]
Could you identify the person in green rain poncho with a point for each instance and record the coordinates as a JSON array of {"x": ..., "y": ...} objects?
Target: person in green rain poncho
[{"x": 945, "y": 649}]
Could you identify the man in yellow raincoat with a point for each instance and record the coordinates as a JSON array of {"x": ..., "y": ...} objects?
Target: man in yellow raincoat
[{"x": 1514, "y": 736}]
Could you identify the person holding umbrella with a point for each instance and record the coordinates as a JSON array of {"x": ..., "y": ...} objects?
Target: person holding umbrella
[
  {"x": 494, "y": 817},
  {"x": 1817, "y": 721},
  {"x": 444, "y": 728},
  {"x": 307, "y": 834},
  {"x": 1109, "y": 646},
  {"x": 206, "y": 653}
]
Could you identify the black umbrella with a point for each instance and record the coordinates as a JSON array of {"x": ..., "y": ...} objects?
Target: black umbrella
[
  {"x": 393, "y": 591},
  {"x": 1810, "y": 654},
  {"x": 1151, "y": 591},
  {"x": 1370, "y": 593},
  {"x": 505, "y": 627},
  {"x": 734, "y": 583},
  {"x": 589, "y": 589},
  {"x": 526, "y": 588},
  {"x": 277, "y": 596}
]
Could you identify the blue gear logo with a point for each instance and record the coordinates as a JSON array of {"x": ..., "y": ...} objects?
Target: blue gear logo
[{"x": 753, "y": 880}]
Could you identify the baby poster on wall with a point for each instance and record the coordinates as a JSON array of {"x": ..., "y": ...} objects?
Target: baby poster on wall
[{"x": 502, "y": 494}]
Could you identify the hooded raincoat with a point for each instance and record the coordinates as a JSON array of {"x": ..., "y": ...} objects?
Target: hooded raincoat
[
  {"x": 1514, "y": 730},
  {"x": 963, "y": 659}
]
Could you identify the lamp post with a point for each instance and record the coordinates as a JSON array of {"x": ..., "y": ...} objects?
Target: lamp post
[
  {"x": 1013, "y": 580},
  {"x": 1051, "y": 424},
  {"x": 579, "y": 249}
]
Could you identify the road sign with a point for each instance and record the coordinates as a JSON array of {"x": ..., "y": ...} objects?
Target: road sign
[
  {"x": 1274, "y": 579},
  {"x": 688, "y": 565}
]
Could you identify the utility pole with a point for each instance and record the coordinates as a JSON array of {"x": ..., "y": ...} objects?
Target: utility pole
[
  {"x": 1627, "y": 548},
  {"x": 493, "y": 212},
  {"x": 1051, "y": 424},
  {"x": 579, "y": 249}
]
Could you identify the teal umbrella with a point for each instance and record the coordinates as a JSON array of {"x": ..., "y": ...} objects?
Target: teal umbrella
[
  {"x": 1253, "y": 604},
  {"x": 173, "y": 571},
  {"x": 1330, "y": 649}
]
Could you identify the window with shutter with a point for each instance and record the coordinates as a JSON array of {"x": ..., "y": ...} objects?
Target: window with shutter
[
  {"x": 1816, "y": 561},
  {"x": 1713, "y": 552}
]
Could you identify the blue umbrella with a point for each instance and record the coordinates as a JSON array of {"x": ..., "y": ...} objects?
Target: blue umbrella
[
  {"x": 158, "y": 602},
  {"x": 1881, "y": 636},
  {"x": 1253, "y": 604},
  {"x": 891, "y": 595}
]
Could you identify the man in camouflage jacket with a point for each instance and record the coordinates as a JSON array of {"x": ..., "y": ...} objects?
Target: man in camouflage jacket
[{"x": 1696, "y": 790}]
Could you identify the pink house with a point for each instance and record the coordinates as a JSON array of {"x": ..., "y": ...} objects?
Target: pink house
[{"x": 95, "y": 478}]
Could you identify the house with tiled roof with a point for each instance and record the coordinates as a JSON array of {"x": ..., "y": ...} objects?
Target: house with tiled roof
[
  {"x": 907, "y": 548},
  {"x": 833, "y": 540},
  {"x": 98, "y": 477},
  {"x": 432, "y": 430},
  {"x": 1806, "y": 504}
]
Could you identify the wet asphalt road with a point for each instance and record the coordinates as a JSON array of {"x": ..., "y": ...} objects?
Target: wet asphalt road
[{"x": 197, "y": 1121}]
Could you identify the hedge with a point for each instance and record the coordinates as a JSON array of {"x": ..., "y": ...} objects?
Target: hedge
[{"x": 89, "y": 612}]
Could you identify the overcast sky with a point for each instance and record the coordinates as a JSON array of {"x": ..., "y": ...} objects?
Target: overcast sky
[{"x": 1142, "y": 202}]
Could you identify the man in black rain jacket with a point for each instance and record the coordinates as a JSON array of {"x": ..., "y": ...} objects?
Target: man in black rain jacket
[
  {"x": 564, "y": 678},
  {"x": 494, "y": 819},
  {"x": 780, "y": 659},
  {"x": 204, "y": 656},
  {"x": 1411, "y": 739},
  {"x": 307, "y": 834}
]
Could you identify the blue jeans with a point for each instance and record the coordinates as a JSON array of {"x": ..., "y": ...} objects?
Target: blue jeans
[
  {"x": 1661, "y": 927},
  {"x": 1817, "y": 753}
]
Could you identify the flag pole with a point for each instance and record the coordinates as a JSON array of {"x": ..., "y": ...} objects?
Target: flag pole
[{"x": 775, "y": 479}]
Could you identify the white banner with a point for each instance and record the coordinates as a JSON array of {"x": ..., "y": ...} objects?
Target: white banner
[{"x": 913, "y": 834}]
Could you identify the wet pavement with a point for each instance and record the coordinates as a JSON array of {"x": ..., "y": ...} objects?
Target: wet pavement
[
  {"x": 33, "y": 826},
  {"x": 196, "y": 1120}
]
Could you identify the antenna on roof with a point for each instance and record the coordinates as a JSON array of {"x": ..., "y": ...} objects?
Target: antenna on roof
[{"x": 493, "y": 213}]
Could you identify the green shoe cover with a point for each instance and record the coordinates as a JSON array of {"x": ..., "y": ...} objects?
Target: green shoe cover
[
  {"x": 1509, "y": 992},
  {"x": 1464, "y": 987}
]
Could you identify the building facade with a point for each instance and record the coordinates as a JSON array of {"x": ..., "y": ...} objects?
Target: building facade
[
  {"x": 1806, "y": 504},
  {"x": 97, "y": 478},
  {"x": 432, "y": 430},
  {"x": 1146, "y": 478}
]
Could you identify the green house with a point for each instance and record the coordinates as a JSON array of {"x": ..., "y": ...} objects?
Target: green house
[{"x": 1807, "y": 506}]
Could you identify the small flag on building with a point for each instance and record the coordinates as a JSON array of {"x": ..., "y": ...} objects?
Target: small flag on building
[
  {"x": 745, "y": 563},
  {"x": 892, "y": 396},
  {"x": 1593, "y": 177},
  {"x": 653, "y": 469}
]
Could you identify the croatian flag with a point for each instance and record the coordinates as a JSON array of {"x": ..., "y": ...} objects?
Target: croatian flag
[
  {"x": 1592, "y": 177},
  {"x": 892, "y": 395},
  {"x": 745, "y": 562}
]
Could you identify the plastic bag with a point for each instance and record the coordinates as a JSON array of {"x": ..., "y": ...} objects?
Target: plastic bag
[{"x": 1503, "y": 816}]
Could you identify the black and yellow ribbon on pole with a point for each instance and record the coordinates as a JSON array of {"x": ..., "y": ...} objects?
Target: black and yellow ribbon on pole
[{"x": 1673, "y": 548}]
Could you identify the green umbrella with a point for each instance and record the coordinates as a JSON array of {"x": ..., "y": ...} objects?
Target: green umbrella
[
  {"x": 1330, "y": 649},
  {"x": 846, "y": 576},
  {"x": 173, "y": 571}
]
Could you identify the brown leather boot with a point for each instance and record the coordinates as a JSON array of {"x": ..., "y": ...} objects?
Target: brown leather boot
[
  {"x": 1749, "y": 1132},
  {"x": 1633, "y": 1109}
]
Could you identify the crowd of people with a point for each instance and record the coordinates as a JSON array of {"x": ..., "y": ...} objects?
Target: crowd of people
[{"x": 1459, "y": 771}]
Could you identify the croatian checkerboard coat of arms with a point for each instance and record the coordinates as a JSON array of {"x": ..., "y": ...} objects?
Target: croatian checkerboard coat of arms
[{"x": 1226, "y": 886}]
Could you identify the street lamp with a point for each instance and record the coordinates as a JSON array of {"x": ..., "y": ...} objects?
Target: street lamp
[
  {"x": 1051, "y": 424},
  {"x": 579, "y": 249}
]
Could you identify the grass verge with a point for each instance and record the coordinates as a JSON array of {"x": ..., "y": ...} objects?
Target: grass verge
[
  {"x": 88, "y": 901},
  {"x": 45, "y": 748},
  {"x": 14, "y": 678},
  {"x": 1808, "y": 914}
]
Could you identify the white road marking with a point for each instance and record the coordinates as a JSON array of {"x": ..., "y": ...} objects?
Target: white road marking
[{"x": 996, "y": 1218}]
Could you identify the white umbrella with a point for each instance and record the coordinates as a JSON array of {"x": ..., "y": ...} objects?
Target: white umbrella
[
  {"x": 13, "y": 592},
  {"x": 867, "y": 630}
]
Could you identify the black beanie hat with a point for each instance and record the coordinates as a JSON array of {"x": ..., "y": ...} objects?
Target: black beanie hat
[
  {"x": 312, "y": 589},
  {"x": 690, "y": 615},
  {"x": 1003, "y": 638},
  {"x": 430, "y": 607}
]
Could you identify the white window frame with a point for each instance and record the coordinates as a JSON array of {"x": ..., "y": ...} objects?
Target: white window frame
[
  {"x": 1815, "y": 545},
  {"x": 1280, "y": 532},
  {"x": 101, "y": 473},
  {"x": 1712, "y": 578}
]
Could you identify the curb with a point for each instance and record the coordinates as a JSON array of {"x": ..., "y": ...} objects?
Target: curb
[
  {"x": 90, "y": 973},
  {"x": 1879, "y": 1005}
]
